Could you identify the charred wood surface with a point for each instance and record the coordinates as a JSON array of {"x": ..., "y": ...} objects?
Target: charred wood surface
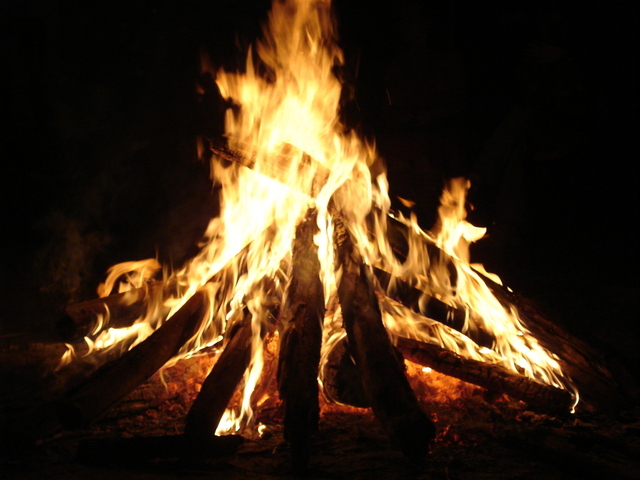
[
  {"x": 301, "y": 338},
  {"x": 342, "y": 382},
  {"x": 116, "y": 379},
  {"x": 381, "y": 369},
  {"x": 493, "y": 377},
  {"x": 221, "y": 383}
]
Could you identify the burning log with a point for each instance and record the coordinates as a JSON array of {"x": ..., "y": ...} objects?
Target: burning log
[
  {"x": 493, "y": 377},
  {"x": 301, "y": 339},
  {"x": 343, "y": 382},
  {"x": 432, "y": 308},
  {"x": 341, "y": 379},
  {"x": 122, "y": 309},
  {"x": 397, "y": 232},
  {"x": 220, "y": 385},
  {"x": 382, "y": 371},
  {"x": 87, "y": 317},
  {"x": 116, "y": 379},
  {"x": 603, "y": 384}
]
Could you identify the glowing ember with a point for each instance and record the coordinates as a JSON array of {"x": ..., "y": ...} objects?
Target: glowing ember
[{"x": 301, "y": 155}]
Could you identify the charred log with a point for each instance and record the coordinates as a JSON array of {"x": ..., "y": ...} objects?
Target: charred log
[
  {"x": 603, "y": 384},
  {"x": 430, "y": 307},
  {"x": 382, "y": 371},
  {"x": 116, "y": 379},
  {"x": 123, "y": 309},
  {"x": 221, "y": 383},
  {"x": 540, "y": 397},
  {"x": 301, "y": 339},
  {"x": 341, "y": 379}
]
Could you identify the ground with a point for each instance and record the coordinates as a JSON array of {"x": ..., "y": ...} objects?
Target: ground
[{"x": 479, "y": 436}]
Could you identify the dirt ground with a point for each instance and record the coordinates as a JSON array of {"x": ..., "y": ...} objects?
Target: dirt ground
[
  {"x": 353, "y": 446},
  {"x": 479, "y": 437}
]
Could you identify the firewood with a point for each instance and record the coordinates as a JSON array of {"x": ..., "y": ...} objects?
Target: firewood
[
  {"x": 382, "y": 371},
  {"x": 341, "y": 382},
  {"x": 218, "y": 388},
  {"x": 454, "y": 317},
  {"x": 83, "y": 318},
  {"x": 603, "y": 384},
  {"x": 301, "y": 338},
  {"x": 540, "y": 397},
  {"x": 116, "y": 379},
  {"x": 123, "y": 309},
  {"x": 138, "y": 451}
]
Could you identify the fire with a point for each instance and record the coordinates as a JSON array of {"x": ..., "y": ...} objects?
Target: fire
[{"x": 287, "y": 125}]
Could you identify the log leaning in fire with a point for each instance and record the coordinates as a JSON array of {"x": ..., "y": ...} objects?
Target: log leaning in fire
[
  {"x": 116, "y": 379},
  {"x": 84, "y": 318},
  {"x": 543, "y": 398},
  {"x": 121, "y": 309},
  {"x": 301, "y": 339},
  {"x": 341, "y": 381},
  {"x": 603, "y": 384},
  {"x": 382, "y": 371},
  {"x": 221, "y": 383},
  {"x": 432, "y": 308}
]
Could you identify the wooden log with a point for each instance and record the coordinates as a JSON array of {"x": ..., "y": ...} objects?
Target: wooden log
[
  {"x": 432, "y": 308},
  {"x": 382, "y": 371},
  {"x": 602, "y": 384},
  {"x": 221, "y": 383},
  {"x": 542, "y": 398},
  {"x": 121, "y": 309},
  {"x": 116, "y": 379},
  {"x": 83, "y": 318},
  {"x": 341, "y": 381},
  {"x": 139, "y": 451},
  {"x": 301, "y": 319}
]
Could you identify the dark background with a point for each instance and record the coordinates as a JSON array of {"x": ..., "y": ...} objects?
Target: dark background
[{"x": 535, "y": 101}]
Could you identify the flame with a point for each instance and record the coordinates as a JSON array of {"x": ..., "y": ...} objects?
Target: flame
[{"x": 287, "y": 124}]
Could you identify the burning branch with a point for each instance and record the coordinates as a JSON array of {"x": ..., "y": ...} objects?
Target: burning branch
[
  {"x": 382, "y": 371},
  {"x": 116, "y": 379},
  {"x": 494, "y": 378},
  {"x": 300, "y": 342},
  {"x": 221, "y": 383}
]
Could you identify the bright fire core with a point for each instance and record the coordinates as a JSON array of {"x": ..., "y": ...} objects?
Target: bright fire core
[{"x": 287, "y": 124}]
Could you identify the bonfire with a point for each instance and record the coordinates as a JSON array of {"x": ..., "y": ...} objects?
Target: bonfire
[{"x": 308, "y": 290}]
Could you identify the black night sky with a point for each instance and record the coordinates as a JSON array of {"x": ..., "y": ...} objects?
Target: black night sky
[{"x": 535, "y": 101}]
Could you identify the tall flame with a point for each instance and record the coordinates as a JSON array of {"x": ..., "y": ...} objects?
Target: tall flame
[{"x": 287, "y": 123}]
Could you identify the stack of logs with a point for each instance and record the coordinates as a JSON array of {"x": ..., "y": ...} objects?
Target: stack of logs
[{"x": 379, "y": 364}]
